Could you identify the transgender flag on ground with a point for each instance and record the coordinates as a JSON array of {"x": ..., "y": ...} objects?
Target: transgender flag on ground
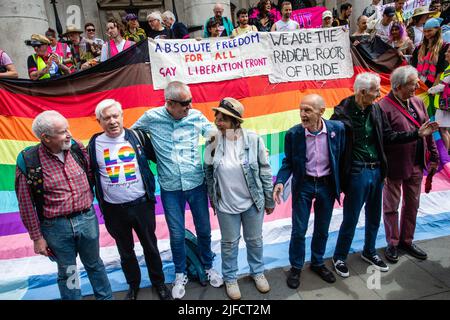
[{"x": 270, "y": 110}]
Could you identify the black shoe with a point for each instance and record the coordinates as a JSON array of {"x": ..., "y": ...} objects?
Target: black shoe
[
  {"x": 132, "y": 294},
  {"x": 341, "y": 268},
  {"x": 293, "y": 280},
  {"x": 413, "y": 250},
  {"x": 391, "y": 254},
  {"x": 324, "y": 273},
  {"x": 376, "y": 261},
  {"x": 163, "y": 292}
]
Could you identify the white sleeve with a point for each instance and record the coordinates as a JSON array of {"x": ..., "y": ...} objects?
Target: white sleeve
[{"x": 104, "y": 55}]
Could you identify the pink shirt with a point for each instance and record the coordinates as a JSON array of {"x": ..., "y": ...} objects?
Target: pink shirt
[{"x": 317, "y": 154}]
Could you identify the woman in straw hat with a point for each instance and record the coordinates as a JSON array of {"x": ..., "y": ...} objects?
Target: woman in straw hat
[
  {"x": 239, "y": 182},
  {"x": 415, "y": 27}
]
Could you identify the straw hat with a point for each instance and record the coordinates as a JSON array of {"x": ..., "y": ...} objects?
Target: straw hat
[
  {"x": 71, "y": 29},
  {"x": 421, "y": 11},
  {"x": 38, "y": 39},
  {"x": 231, "y": 107}
]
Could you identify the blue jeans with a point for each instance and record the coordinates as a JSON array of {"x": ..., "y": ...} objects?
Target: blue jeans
[
  {"x": 365, "y": 187},
  {"x": 174, "y": 204},
  {"x": 68, "y": 237},
  {"x": 230, "y": 228},
  {"x": 301, "y": 210}
]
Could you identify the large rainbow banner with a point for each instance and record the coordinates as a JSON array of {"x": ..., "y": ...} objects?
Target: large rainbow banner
[{"x": 270, "y": 109}]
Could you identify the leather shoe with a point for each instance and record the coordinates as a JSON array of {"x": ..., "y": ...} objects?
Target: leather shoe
[
  {"x": 164, "y": 292},
  {"x": 132, "y": 294},
  {"x": 324, "y": 273},
  {"x": 413, "y": 250},
  {"x": 391, "y": 254},
  {"x": 293, "y": 280}
]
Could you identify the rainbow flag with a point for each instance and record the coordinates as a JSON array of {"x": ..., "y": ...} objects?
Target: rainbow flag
[{"x": 270, "y": 110}]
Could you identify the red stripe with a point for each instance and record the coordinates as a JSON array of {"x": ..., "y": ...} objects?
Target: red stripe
[{"x": 83, "y": 105}]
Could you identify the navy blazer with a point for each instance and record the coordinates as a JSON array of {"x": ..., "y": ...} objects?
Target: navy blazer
[
  {"x": 294, "y": 161},
  {"x": 180, "y": 31}
]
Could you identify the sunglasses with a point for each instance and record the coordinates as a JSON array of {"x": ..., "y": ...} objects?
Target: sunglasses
[
  {"x": 90, "y": 30},
  {"x": 183, "y": 103}
]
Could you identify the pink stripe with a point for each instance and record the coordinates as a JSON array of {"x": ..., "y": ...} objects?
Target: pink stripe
[{"x": 20, "y": 245}]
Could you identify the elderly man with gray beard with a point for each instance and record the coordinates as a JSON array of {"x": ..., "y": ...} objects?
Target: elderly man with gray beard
[{"x": 55, "y": 203}]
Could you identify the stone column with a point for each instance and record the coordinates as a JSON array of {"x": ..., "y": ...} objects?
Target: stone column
[
  {"x": 19, "y": 19},
  {"x": 196, "y": 12}
]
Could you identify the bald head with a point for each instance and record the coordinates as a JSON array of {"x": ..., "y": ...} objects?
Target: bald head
[
  {"x": 314, "y": 100},
  {"x": 218, "y": 10},
  {"x": 312, "y": 108}
]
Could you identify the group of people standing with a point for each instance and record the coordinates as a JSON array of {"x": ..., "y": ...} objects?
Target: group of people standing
[{"x": 352, "y": 153}]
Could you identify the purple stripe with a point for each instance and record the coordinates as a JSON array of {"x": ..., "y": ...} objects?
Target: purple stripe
[{"x": 11, "y": 224}]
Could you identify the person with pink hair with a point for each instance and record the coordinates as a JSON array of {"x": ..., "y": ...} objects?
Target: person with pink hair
[{"x": 398, "y": 39}]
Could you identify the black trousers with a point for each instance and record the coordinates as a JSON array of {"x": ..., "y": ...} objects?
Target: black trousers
[{"x": 120, "y": 220}]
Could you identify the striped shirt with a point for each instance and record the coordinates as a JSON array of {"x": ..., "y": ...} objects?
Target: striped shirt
[{"x": 66, "y": 190}]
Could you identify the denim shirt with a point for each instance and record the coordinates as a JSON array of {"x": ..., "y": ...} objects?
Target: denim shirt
[
  {"x": 254, "y": 163},
  {"x": 176, "y": 145}
]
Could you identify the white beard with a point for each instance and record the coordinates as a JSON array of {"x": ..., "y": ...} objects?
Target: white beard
[{"x": 66, "y": 146}]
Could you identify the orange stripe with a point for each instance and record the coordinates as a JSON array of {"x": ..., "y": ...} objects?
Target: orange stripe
[{"x": 19, "y": 128}]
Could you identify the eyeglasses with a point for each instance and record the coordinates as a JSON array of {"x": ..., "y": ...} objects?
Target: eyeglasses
[
  {"x": 183, "y": 103},
  {"x": 90, "y": 30}
]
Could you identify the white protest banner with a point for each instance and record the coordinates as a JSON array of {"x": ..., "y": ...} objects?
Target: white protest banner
[
  {"x": 209, "y": 60},
  {"x": 309, "y": 54}
]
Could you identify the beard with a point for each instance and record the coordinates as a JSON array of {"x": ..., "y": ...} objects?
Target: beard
[{"x": 66, "y": 145}]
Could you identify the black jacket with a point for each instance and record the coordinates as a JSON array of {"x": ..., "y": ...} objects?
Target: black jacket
[
  {"x": 143, "y": 152},
  {"x": 383, "y": 131}
]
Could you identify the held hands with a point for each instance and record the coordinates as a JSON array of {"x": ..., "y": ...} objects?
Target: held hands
[
  {"x": 277, "y": 190},
  {"x": 428, "y": 128},
  {"x": 41, "y": 247},
  {"x": 269, "y": 210}
]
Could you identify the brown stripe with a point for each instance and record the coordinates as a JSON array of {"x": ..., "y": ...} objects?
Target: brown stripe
[{"x": 128, "y": 75}]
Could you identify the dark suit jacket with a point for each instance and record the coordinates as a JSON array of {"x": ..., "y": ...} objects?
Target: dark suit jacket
[
  {"x": 401, "y": 158},
  {"x": 180, "y": 31},
  {"x": 294, "y": 161}
]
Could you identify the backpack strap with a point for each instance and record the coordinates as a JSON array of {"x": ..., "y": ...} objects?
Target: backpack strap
[
  {"x": 139, "y": 136},
  {"x": 29, "y": 164}
]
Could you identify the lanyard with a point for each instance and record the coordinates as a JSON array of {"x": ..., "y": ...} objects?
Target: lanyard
[{"x": 402, "y": 110}]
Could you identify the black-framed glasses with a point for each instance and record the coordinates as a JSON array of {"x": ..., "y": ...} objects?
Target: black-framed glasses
[
  {"x": 90, "y": 30},
  {"x": 183, "y": 103}
]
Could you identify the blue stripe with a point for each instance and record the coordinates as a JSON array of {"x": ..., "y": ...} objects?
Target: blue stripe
[{"x": 275, "y": 255}]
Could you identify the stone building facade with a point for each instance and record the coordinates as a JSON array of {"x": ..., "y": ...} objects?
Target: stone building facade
[{"x": 21, "y": 18}]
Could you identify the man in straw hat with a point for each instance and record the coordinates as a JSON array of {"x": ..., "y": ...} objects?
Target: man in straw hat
[
  {"x": 77, "y": 46},
  {"x": 42, "y": 65},
  {"x": 313, "y": 152}
]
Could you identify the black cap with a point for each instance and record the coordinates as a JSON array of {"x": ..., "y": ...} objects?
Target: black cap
[{"x": 389, "y": 11}]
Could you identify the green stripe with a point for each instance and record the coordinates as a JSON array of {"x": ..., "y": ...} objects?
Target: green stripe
[{"x": 274, "y": 143}]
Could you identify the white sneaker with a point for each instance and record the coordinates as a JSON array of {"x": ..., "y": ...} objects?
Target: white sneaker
[
  {"x": 178, "y": 290},
  {"x": 233, "y": 291},
  {"x": 261, "y": 283},
  {"x": 214, "y": 278}
]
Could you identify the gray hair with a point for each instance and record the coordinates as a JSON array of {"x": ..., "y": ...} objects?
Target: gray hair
[
  {"x": 175, "y": 89},
  {"x": 169, "y": 15},
  {"x": 43, "y": 123},
  {"x": 107, "y": 103},
  {"x": 365, "y": 81},
  {"x": 155, "y": 15},
  {"x": 399, "y": 77}
]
